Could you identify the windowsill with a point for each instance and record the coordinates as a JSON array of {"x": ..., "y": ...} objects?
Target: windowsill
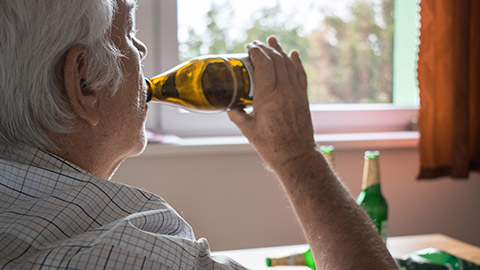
[{"x": 176, "y": 146}]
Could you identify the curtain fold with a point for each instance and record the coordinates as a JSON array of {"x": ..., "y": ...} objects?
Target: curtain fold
[{"x": 448, "y": 78}]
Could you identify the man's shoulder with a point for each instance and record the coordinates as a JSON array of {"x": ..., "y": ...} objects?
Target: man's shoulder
[{"x": 69, "y": 192}]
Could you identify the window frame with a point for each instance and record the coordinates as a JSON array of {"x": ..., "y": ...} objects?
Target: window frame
[{"x": 157, "y": 24}]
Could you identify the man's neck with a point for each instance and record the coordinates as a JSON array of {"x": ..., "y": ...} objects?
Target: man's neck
[{"x": 85, "y": 150}]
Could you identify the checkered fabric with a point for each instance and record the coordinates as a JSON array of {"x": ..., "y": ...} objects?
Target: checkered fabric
[{"x": 55, "y": 215}]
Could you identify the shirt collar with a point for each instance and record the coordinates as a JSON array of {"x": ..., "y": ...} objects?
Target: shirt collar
[{"x": 37, "y": 157}]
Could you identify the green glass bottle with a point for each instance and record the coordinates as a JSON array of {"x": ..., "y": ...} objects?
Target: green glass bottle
[
  {"x": 301, "y": 258},
  {"x": 370, "y": 198},
  {"x": 432, "y": 258}
]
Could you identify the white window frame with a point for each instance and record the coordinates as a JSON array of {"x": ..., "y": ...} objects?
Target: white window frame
[{"x": 157, "y": 24}]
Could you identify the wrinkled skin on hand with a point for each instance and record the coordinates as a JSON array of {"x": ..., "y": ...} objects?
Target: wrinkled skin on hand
[{"x": 280, "y": 126}]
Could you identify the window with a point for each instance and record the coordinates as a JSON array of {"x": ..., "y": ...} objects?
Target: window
[{"x": 367, "y": 56}]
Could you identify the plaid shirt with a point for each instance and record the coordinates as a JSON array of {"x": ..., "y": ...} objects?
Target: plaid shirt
[{"x": 56, "y": 215}]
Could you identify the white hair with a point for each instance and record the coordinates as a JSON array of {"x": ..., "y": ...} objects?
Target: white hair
[{"x": 34, "y": 39}]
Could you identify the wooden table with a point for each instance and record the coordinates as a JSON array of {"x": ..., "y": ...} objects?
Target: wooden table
[{"x": 398, "y": 246}]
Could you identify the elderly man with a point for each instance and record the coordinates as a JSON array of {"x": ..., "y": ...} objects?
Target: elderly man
[{"x": 72, "y": 102}]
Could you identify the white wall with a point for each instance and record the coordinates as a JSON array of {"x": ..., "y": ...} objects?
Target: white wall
[{"x": 235, "y": 203}]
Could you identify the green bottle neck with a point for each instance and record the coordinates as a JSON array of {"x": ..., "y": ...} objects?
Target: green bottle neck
[{"x": 371, "y": 173}]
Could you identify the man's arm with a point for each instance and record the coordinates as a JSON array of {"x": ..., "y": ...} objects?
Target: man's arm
[{"x": 339, "y": 232}]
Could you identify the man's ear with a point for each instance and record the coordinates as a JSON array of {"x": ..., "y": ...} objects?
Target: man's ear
[{"x": 82, "y": 100}]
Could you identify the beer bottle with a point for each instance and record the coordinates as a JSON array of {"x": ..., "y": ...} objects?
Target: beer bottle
[
  {"x": 327, "y": 151},
  {"x": 206, "y": 83},
  {"x": 302, "y": 258},
  {"x": 370, "y": 198}
]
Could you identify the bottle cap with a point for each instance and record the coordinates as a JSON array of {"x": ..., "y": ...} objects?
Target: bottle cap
[
  {"x": 327, "y": 149},
  {"x": 372, "y": 154}
]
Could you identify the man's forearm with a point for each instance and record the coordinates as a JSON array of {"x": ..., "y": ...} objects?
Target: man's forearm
[{"x": 339, "y": 232}]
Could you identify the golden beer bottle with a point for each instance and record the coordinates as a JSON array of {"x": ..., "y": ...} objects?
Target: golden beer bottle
[{"x": 206, "y": 83}]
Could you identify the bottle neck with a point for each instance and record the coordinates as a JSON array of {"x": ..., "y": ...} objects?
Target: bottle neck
[
  {"x": 371, "y": 173},
  {"x": 292, "y": 259}
]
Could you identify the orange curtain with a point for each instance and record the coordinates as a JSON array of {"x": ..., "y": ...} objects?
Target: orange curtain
[{"x": 448, "y": 78}]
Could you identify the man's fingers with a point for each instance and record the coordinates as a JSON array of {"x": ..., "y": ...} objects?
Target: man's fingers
[
  {"x": 264, "y": 72},
  {"x": 273, "y": 42},
  {"x": 281, "y": 72},
  {"x": 240, "y": 118},
  {"x": 300, "y": 71}
]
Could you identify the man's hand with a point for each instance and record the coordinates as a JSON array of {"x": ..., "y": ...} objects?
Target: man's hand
[{"x": 280, "y": 127}]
